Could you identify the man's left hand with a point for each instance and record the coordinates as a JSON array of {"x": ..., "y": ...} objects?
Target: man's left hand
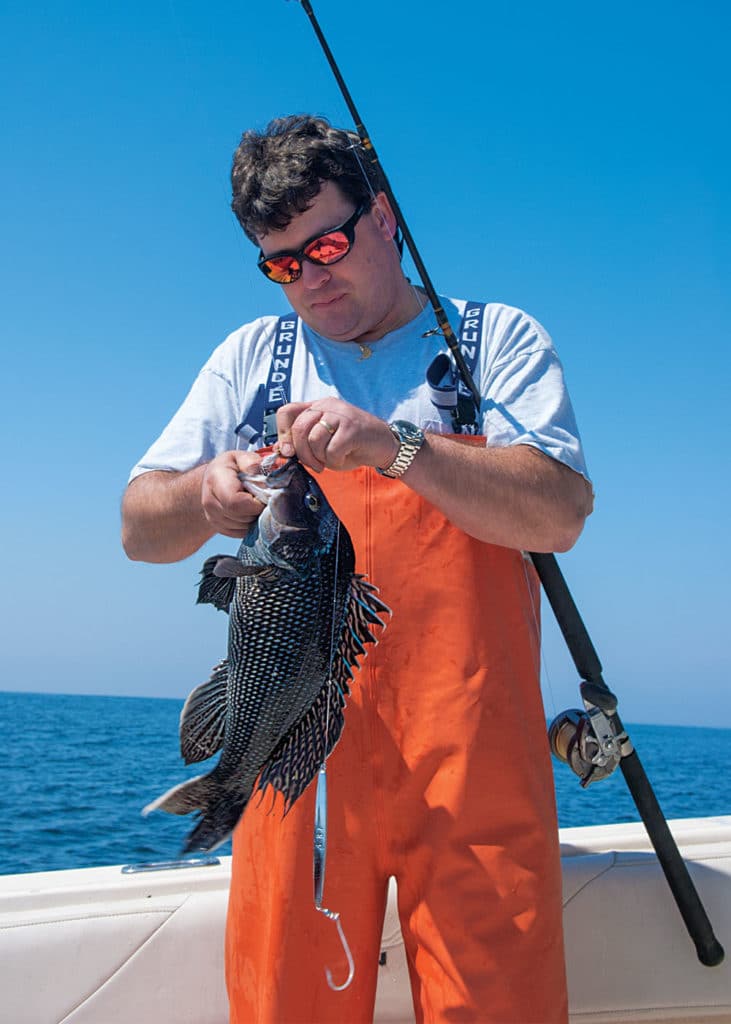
[{"x": 333, "y": 434}]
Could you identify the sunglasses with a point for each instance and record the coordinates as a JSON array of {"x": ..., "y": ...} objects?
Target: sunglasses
[{"x": 285, "y": 267}]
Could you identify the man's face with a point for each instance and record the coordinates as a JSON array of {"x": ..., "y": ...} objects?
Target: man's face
[{"x": 362, "y": 296}]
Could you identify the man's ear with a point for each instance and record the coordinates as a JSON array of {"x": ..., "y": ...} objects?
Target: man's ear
[{"x": 385, "y": 217}]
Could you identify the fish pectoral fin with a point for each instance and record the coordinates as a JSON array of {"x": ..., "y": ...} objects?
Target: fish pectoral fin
[
  {"x": 219, "y": 575},
  {"x": 213, "y": 589},
  {"x": 225, "y": 566},
  {"x": 203, "y": 718},
  {"x": 232, "y": 568}
]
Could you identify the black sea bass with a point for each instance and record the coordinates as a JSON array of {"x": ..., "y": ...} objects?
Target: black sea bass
[{"x": 299, "y": 619}]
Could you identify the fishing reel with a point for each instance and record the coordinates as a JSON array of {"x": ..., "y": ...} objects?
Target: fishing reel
[{"x": 591, "y": 742}]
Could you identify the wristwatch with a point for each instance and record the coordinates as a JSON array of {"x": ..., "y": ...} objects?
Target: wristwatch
[{"x": 410, "y": 439}]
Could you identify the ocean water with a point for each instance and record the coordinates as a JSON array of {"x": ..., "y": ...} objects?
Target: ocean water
[{"x": 77, "y": 770}]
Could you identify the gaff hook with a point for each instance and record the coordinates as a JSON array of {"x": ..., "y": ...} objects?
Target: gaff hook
[{"x": 320, "y": 855}]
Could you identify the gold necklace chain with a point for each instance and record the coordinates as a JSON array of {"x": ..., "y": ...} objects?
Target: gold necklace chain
[{"x": 365, "y": 350}]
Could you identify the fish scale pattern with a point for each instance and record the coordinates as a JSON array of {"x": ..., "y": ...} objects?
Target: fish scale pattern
[
  {"x": 295, "y": 762},
  {"x": 280, "y": 653}
]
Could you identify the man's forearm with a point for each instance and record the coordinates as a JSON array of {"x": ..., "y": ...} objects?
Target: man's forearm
[
  {"x": 514, "y": 496},
  {"x": 162, "y": 516}
]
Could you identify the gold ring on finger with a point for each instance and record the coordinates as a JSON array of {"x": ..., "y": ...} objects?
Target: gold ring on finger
[{"x": 328, "y": 426}]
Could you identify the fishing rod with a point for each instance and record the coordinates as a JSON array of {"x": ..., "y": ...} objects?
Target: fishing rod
[{"x": 593, "y": 741}]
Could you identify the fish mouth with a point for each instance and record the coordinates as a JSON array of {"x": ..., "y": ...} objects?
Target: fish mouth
[
  {"x": 259, "y": 491},
  {"x": 268, "y": 487},
  {"x": 272, "y": 478},
  {"x": 276, "y": 467}
]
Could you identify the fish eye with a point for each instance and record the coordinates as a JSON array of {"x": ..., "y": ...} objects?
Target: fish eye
[{"x": 312, "y": 502}]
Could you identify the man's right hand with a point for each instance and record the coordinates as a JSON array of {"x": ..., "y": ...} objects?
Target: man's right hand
[
  {"x": 228, "y": 507},
  {"x": 167, "y": 516}
]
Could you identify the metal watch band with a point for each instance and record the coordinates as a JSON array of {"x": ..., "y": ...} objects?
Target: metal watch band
[{"x": 410, "y": 439}]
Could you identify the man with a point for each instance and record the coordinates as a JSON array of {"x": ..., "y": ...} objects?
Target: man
[{"x": 442, "y": 776}]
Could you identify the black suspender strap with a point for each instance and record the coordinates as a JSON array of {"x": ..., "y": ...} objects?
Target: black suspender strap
[{"x": 259, "y": 426}]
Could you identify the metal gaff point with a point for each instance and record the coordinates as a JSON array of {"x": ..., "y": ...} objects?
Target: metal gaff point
[{"x": 709, "y": 949}]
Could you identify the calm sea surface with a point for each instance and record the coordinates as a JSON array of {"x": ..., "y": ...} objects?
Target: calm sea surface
[{"x": 76, "y": 772}]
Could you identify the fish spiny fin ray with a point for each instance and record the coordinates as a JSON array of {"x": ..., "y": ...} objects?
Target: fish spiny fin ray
[
  {"x": 203, "y": 718},
  {"x": 363, "y": 612},
  {"x": 297, "y": 757}
]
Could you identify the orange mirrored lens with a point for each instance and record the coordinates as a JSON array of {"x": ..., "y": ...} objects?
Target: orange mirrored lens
[
  {"x": 328, "y": 248},
  {"x": 283, "y": 269}
]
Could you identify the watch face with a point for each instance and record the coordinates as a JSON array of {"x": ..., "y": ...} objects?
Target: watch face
[
  {"x": 407, "y": 430},
  {"x": 410, "y": 439}
]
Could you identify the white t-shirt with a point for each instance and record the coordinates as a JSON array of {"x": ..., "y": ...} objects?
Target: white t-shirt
[{"x": 518, "y": 374}]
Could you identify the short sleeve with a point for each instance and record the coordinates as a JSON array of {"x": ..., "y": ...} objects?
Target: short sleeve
[
  {"x": 205, "y": 424},
  {"x": 527, "y": 401},
  {"x": 203, "y": 427}
]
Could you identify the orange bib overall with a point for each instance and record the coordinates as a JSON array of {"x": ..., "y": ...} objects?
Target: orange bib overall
[{"x": 441, "y": 778}]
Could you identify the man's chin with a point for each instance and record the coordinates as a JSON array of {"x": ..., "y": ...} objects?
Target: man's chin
[{"x": 330, "y": 325}]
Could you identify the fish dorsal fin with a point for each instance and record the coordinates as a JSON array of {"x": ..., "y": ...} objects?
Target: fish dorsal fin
[
  {"x": 363, "y": 613},
  {"x": 295, "y": 761},
  {"x": 215, "y": 589},
  {"x": 203, "y": 718},
  {"x": 297, "y": 757}
]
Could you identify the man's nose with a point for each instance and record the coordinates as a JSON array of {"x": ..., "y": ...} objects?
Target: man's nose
[{"x": 314, "y": 275}]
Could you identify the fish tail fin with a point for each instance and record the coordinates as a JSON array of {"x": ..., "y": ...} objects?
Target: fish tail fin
[
  {"x": 215, "y": 825},
  {"x": 219, "y": 809},
  {"x": 193, "y": 795}
]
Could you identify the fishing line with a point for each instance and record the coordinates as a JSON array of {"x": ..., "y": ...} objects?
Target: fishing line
[
  {"x": 535, "y": 608},
  {"x": 398, "y": 246},
  {"x": 320, "y": 835}
]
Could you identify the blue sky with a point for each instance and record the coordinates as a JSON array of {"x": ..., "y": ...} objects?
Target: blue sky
[{"x": 569, "y": 159}]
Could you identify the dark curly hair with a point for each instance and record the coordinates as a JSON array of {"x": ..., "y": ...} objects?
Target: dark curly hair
[{"x": 277, "y": 173}]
